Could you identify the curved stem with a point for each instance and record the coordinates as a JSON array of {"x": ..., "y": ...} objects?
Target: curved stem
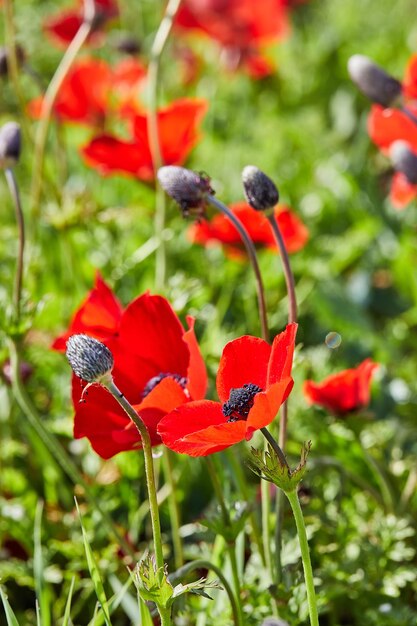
[
  {"x": 202, "y": 564},
  {"x": 305, "y": 556},
  {"x": 174, "y": 512},
  {"x": 149, "y": 469},
  {"x": 14, "y": 192},
  {"x": 54, "y": 447},
  {"x": 157, "y": 49},
  {"x": 289, "y": 276},
  {"x": 250, "y": 249},
  {"x": 49, "y": 101}
]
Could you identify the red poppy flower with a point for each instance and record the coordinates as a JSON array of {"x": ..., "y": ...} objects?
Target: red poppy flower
[
  {"x": 158, "y": 366},
  {"x": 92, "y": 88},
  {"x": 343, "y": 392},
  {"x": 410, "y": 79},
  {"x": 253, "y": 380},
  {"x": 178, "y": 133},
  {"x": 62, "y": 27},
  {"x": 402, "y": 191},
  {"x": 221, "y": 229},
  {"x": 388, "y": 125},
  {"x": 240, "y": 26}
]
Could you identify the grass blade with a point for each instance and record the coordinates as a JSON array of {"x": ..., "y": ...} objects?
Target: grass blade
[
  {"x": 10, "y": 616},
  {"x": 66, "y": 619}
]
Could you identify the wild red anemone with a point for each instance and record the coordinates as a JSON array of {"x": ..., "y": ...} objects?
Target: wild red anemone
[
  {"x": 178, "y": 126},
  {"x": 93, "y": 89},
  {"x": 344, "y": 392},
  {"x": 253, "y": 381},
  {"x": 63, "y": 26},
  {"x": 240, "y": 26},
  {"x": 158, "y": 366},
  {"x": 220, "y": 229}
]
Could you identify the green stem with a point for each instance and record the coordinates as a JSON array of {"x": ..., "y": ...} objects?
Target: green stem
[
  {"x": 54, "y": 447},
  {"x": 149, "y": 469},
  {"x": 242, "y": 486},
  {"x": 250, "y": 249},
  {"x": 227, "y": 523},
  {"x": 157, "y": 49},
  {"x": 202, "y": 564},
  {"x": 165, "y": 615},
  {"x": 14, "y": 192},
  {"x": 174, "y": 512},
  {"x": 49, "y": 101},
  {"x": 305, "y": 556}
]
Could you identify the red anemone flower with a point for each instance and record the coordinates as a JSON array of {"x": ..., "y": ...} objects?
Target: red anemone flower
[
  {"x": 402, "y": 191},
  {"x": 240, "y": 26},
  {"x": 62, "y": 27},
  {"x": 221, "y": 229},
  {"x": 92, "y": 88},
  {"x": 253, "y": 381},
  {"x": 344, "y": 392},
  {"x": 158, "y": 366},
  {"x": 178, "y": 133}
]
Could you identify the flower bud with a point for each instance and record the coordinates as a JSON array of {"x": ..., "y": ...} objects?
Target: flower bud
[
  {"x": 190, "y": 189},
  {"x": 128, "y": 45},
  {"x": 89, "y": 358},
  {"x": 10, "y": 143},
  {"x": 260, "y": 191},
  {"x": 404, "y": 160},
  {"x": 373, "y": 81}
]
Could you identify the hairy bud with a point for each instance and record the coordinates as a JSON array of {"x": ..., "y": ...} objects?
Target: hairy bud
[
  {"x": 190, "y": 189},
  {"x": 89, "y": 358},
  {"x": 404, "y": 160},
  {"x": 10, "y": 144},
  {"x": 260, "y": 191},
  {"x": 373, "y": 81}
]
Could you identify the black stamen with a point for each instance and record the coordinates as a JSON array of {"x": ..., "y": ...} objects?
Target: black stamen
[
  {"x": 240, "y": 402},
  {"x": 155, "y": 380}
]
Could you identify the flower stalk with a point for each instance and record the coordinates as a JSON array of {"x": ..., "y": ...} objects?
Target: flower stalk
[
  {"x": 49, "y": 100},
  {"x": 157, "y": 49},
  {"x": 17, "y": 290}
]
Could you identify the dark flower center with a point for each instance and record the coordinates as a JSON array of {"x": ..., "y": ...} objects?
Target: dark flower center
[
  {"x": 155, "y": 380},
  {"x": 240, "y": 402}
]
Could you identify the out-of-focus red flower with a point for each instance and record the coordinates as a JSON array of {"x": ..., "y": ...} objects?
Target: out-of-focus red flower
[
  {"x": 220, "y": 229},
  {"x": 93, "y": 89},
  {"x": 253, "y": 381},
  {"x": 410, "y": 79},
  {"x": 178, "y": 126},
  {"x": 388, "y": 125},
  {"x": 240, "y": 26},
  {"x": 344, "y": 392},
  {"x": 63, "y": 26},
  {"x": 402, "y": 191},
  {"x": 158, "y": 366}
]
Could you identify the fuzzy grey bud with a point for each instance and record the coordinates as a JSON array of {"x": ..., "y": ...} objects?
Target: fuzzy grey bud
[
  {"x": 373, "y": 81},
  {"x": 404, "y": 160},
  {"x": 10, "y": 143},
  {"x": 89, "y": 358},
  {"x": 190, "y": 189},
  {"x": 260, "y": 191}
]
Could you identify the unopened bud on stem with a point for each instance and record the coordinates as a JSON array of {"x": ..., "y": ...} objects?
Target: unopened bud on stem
[
  {"x": 260, "y": 191},
  {"x": 404, "y": 160},
  {"x": 10, "y": 144},
  {"x": 90, "y": 359},
  {"x": 373, "y": 81},
  {"x": 190, "y": 189}
]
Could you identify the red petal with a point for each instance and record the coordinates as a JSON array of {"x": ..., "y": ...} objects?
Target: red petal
[
  {"x": 294, "y": 232},
  {"x": 280, "y": 362},
  {"x": 63, "y": 27},
  {"x": 99, "y": 315},
  {"x": 410, "y": 80},
  {"x": 244, "y": 361},
  {"x": 266, "y": 405},
  {"x": 402, "y": 192},
  {"x": 110, "y": 155},
  {"x": 151, "y": 330},
  {"x": 199, "y": 429},
  {"x": 197, "y": 373},
  {"x": 166, "y": 396},
  {"x": 343, "y": 392},
  {"x": 258, "y": 66},
  {"x": 388, "y": 125}
]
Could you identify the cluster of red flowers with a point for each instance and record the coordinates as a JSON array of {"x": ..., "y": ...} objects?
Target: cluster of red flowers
[
  {"x": 159, "y": 367},
  {"x": 220, "y": 229},
  {"x": 387, "y": 125}
]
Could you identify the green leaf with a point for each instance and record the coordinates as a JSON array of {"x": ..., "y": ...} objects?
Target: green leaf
[
  {"x": 94, "y": 573},
  {"x": 65, "y": 621},
  {"x": 43, "y": 611},
  {"x": 10, "y": 616}
]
